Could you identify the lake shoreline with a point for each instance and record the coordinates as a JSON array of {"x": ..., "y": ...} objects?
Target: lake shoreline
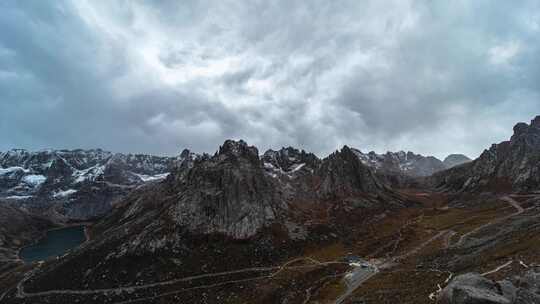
[{"x": 44, "y": 234}]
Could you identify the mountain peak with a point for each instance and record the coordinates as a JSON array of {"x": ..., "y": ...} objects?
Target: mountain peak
[
  {"x": 185, "y": 154},
  {"x": 536, "y": 122},
  {"x": 453, "y": 160},
  {"x": 238, "y": 148},
  {"x": 524, "y": 130},
  {"x": 520, "y": 128},
  {"x": 289, "y": 158}
]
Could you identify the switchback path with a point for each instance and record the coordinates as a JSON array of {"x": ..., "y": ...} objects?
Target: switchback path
[{"x": 509, "y": 200}]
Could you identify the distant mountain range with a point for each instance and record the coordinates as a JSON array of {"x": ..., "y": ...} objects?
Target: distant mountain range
[
  {"x": 83, "y": 184},
  {"x": 409, "y": 163},
  {"x": 75, "y": 184},
  {"x": 172, "y": 225}
]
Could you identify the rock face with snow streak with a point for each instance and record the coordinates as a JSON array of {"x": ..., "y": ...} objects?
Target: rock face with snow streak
[
  {"x": 512, "y": 165},
  {"x": 289, "y": 160},
  {"x": 75, "y": 184}
]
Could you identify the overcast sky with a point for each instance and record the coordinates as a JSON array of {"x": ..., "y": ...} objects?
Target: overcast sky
[{"x": 433, "y": 77}]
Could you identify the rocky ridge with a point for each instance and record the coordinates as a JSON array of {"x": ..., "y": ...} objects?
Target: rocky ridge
[{"x": 512, "y": 165}]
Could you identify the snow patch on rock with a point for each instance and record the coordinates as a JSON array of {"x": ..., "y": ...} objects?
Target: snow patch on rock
[
  {"x": 5, "y": 171},
  {"x": 64, "y": 193},
  {"x": 34, "y": 179},
  {"x": 149, "y": 178}
]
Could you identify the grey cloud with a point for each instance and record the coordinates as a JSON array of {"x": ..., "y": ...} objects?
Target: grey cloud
[{"x": 155, "y": 77}]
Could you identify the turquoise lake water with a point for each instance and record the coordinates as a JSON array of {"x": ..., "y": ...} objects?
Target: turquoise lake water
[{"x": 55, "y": 243}]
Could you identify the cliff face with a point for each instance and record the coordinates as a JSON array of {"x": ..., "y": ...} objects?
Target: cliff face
[
  {"x": 343, "y": 174},
  {"x": 227, "y": 193}
]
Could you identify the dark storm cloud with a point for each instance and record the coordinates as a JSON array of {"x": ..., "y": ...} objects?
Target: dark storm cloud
[{"x": 147, "y": 76}]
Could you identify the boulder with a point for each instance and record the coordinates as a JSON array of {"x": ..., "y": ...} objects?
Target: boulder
[{"x": 472, "y": 288}]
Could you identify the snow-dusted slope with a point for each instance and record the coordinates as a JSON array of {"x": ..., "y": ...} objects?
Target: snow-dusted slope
[
  {"x": 76, "y": 184},
  {"x": 408, "y": 163}
]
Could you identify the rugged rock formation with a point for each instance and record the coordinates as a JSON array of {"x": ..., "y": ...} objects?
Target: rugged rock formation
[
  {"x": 512, "y": 165},
  {"x": 77, "y": 184},
  {"x": 227, "y": 193},
  {"x": 472, "y": 288},
  {"x": 344, "y": 174},
  {"x": 236, "y": 193},
  {"x": 289, "y": 160}
]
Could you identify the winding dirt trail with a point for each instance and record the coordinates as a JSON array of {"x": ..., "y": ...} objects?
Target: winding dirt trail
[
  {"x": 509, "y": 200},
  {"x": 21, "y": 293},
  {"x": 498, "y": 268},
  {"x": 464, "y": 237}
]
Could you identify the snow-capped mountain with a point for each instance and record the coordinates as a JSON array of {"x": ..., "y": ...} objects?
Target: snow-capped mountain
[
  {"x": 408, "y": 163},
  {"x": 76, "y": 184}
]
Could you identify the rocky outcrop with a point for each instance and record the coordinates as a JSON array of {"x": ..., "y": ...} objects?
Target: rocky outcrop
[
  {"x": 227, "y": 193},
  {"x": 472, "y": 288},
  {"x": 289, "y": 160},
  {"x": 343, "y": 174},
  {"x": 512, "y": 165}
]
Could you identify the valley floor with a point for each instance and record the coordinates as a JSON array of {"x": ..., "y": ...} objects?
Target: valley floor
[{"x": 403, "y": 256}]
